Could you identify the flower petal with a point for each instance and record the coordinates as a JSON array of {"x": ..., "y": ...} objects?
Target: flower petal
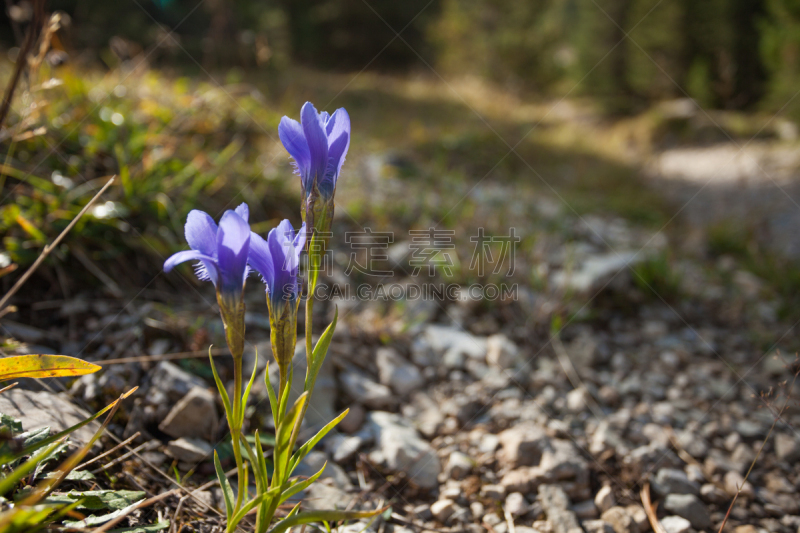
[
  {"x": 284, "y": 260},
  {"x": 261, "y": 260},
  {"x": 339, "y": 123},
  {"x": 243, "y": 211},
  {"x": 317, "y": 142},
  {"x": 201, "y": 232},
  {"x": 327, "y": 185},
  {"x": 233, "y": 246},
  {"x": 207, "y": 263},
  {"x": 294, "y": 140},
  {"x": 300, "y": 239}
]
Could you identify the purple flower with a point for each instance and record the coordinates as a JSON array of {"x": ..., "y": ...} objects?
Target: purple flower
[
  {"x": 318, "y": 146},
  {"x": 277, "y": 259},
  {"x": 221, "y": 251}
]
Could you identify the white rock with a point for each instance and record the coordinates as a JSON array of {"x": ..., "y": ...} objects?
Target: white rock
[
  {"x": 445, "y": 340},
  {"x": 595, "y": 270},
  {"x": 675, "y": 524},
  {"x": 604, "y": 499},
  {"x": 443, "y": 509},
  {"x": 516, "y": 504},
  {"x": 363, "y": 390},
  {"x": 189, "y": 450},
  {"x": 501, "y": 352},
  {"x": 195, "y": 415},
  {"x": 459, "y": 465},
  {"x": 403, "y": 450},
  {"x": 395, "y": 372}
]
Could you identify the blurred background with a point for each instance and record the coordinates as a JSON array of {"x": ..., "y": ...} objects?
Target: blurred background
[
  {"x": 653, "y": 139},
  {"x": 644, "y": 152}
]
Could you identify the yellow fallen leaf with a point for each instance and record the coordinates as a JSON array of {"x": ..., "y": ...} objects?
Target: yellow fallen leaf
[{"x": 44, "y": 366}]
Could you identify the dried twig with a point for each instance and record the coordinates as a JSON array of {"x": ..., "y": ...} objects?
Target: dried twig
[
  {"x": 649, "y": 508},
  {"x": 761, "y": 449},
  {"x": 22, "y": 62},
  {"x": 146, "y": 503},
  {"x": 163, "y": 357},
  {"x": 49, "y": 248},
  {"x": 109, "y": 452}
]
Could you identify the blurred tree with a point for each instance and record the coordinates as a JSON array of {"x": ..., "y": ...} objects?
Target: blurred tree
[
  {"x": 602, "y": 52},
  {"x": 520, "y": 44},
  {"x": 356, "y": 34},
  {"x": 780, "y": 48}
]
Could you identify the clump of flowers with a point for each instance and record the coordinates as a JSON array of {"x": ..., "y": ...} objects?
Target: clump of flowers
[{"x": 224, "y": 254}]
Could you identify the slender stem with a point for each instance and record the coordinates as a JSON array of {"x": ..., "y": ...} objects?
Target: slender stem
[
  {"x": 49, "y": 248},
  {"x": 236, "y": 428}
]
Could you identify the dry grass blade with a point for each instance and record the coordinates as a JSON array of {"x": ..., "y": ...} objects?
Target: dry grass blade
[
  {"x": 109, "y": 452},
  {"x": 649, "y": 509},
  {"x": 49, "y": 248},
  {"x": 22, "y": 62},
  {"x": 146, "y": 503}
]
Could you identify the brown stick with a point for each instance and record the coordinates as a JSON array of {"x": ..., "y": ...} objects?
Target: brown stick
[
  {"x": 49, "y": 248},
  {"x": 22, "y": 61}
]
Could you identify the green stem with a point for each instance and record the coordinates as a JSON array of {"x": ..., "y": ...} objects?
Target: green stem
[{"x": 236, "y": 428}]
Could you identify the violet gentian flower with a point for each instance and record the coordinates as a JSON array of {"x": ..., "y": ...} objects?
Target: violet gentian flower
[
  {"x": 277, "y": 259},
  {"x": 318, "y": 144},
  {"x": 221, "y": 253}
]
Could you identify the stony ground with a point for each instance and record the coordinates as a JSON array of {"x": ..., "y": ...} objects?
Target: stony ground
[{"x": 473, "y": 417}]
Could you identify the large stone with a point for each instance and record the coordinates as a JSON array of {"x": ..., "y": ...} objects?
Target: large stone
[
  {"x": 454, "y": 344},
  {"x": 675, "y": 524},
  {"x": 787, "y": 447},
  {"x": 689, "y": 507},
  {"x": 501, "y": 352},
  {"x": 403, "y": 450},
  {"x": 195, "y": 415},
  {"x": 173, "y": 381},
  {"x": 459, "y": 465},
  {"x": 595, "y": 270},
  {"x": 36, "y": 410},
  {"x": 620, "y": 520},
  {"x": 190, "y": 450},
  {"x": 443, "y": 509},
  {"x": 522, "y": 445},
  {"x": 604, "y": 499},
  {"x": 362, "y": 389},
  {"x": 397, "y": 373},
  {"x": 555, "y": 503},
  {"x": 674, "y": 481}
]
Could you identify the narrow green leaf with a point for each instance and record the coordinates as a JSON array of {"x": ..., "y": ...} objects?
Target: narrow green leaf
[
  {"x": 93, "y": 520},
  {"x": 319, "y": 516},
  {"x": 284, "y": 400},
  {"x": 227, "y": 491},
  {"x": 301, "y": 485},
  {"x": 246, "y": 394},
  {"x": 306, "y": 448},
  {"x": 320, "y": 351},
  {"x": 226, "y": 402},
  {"x": 94, "y": 500},
  {"x": 249, "y": 506},
  {"x": 273, "y": 400},
  {"x": 283, "y": 440},
  {"x": 10, "y": 480}
]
